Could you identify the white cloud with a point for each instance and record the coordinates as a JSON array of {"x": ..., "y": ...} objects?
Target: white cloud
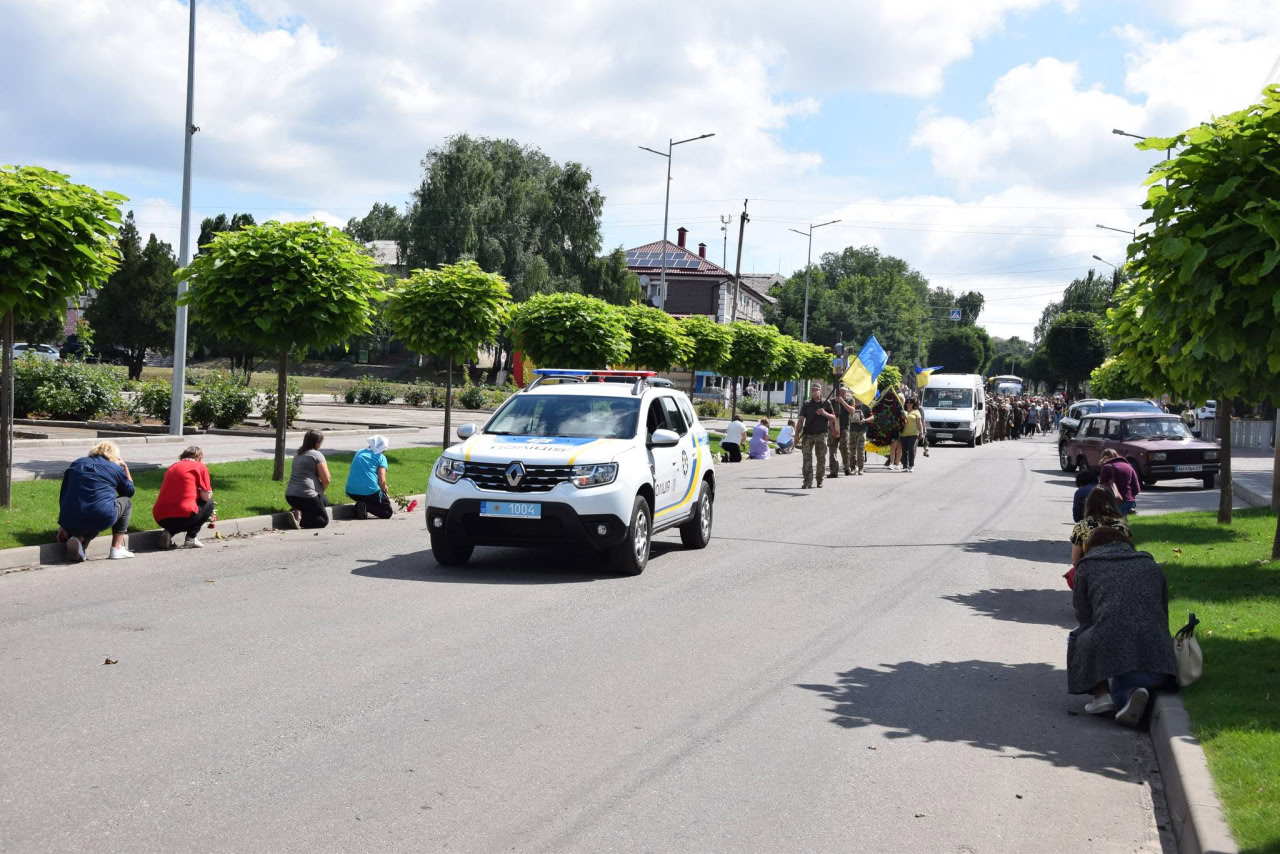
[{"x": 1040, "y": 126}]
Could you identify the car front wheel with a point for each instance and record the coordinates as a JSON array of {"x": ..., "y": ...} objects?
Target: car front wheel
[
  {"x": 450, "y": 552},
  {"x": 1064, "y": 458},
  {"x": 696, "y": 533},
  {"x": 631, "y": 556}
]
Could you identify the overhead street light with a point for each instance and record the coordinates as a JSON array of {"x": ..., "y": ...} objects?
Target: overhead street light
[
  {"x": 808, "y": 264},
  {"x": 1131, "y": 232},
  {"x": 1105, "y": 261},
  {"x": 662, "y": 287},
  {"x": 1168, "y": 153}
]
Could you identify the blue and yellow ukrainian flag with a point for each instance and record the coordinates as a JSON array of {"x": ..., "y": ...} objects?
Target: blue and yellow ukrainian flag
[
  {"x": 863, "y": 372},
  {"x": 923, "y": 374}
]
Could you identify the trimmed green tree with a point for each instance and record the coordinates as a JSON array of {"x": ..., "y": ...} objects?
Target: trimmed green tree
[
  {"x": 712, "y": 343},
  {"x": 1075, "y": 344},
  {"x": 55, "y": 241},
  {"x": 755, "y": 353},
  {"x": 281, "y": 287},
  {"x": 570, "y": 331},
  {"x": 1112, "y": 380},
  {"x": 658, "y": 341},
  {"x": 450, "y": 313},
  {"x": 1205, "y": 303}
]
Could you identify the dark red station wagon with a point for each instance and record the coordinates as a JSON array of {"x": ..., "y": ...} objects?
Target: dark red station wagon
[{"x": 1158, "y": 446}]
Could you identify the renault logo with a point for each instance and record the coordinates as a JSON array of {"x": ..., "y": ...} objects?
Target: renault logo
[{"x": 515, "y": 474}]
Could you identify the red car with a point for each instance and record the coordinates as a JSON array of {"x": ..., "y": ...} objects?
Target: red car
[{"x": 1158, "y": 446}]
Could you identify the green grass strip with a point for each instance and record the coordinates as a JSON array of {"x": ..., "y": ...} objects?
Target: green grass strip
[
  {"x": 1223, "y": 574},
  {"x": 240, "y": 489}
]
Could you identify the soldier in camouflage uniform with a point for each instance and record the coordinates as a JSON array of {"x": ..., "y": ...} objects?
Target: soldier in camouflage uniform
[{"x": 813, "y": 425}]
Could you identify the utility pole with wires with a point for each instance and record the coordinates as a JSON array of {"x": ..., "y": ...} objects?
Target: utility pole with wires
[{"x": 737, "y": 290}]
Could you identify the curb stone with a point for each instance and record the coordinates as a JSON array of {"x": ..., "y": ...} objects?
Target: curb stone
[
  {"x": 55, "y": 554},
  {"x": 1250, "y": 495},
  {"x": 1196, "y": 812}
]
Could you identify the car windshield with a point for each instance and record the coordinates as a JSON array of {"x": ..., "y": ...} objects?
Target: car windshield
[
  {"x": 577, "y": 416},
  {"x": 948, "y": 398},
  {"x": 1156, "y": 428}
]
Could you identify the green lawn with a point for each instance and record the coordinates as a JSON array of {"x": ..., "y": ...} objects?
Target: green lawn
[
  {"x": 1223, "y": 574},
  {"x": 240, "y": 489},
  {"x": 773, "y": 435}
]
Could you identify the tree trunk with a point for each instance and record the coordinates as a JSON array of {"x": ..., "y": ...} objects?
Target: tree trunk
[
  {"x": 282, "y": 413},
  {"x": 733, "y": 398},
  {"x": 1275, "y": 487},
  {"x": 1225, "y": 497},
  {"x": 6, "y": 414},
  {"x": 448, "y": 402}
]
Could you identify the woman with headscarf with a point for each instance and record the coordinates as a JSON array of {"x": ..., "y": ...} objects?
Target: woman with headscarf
[
  {"x": 97, "y": 493},
  {"x": 367, "y": 480}
]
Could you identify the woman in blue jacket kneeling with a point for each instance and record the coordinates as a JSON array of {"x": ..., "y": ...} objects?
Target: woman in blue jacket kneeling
[{"x": 97, "y": 493}]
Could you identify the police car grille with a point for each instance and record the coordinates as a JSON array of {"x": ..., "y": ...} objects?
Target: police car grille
[{"x": 493, "y": 476}]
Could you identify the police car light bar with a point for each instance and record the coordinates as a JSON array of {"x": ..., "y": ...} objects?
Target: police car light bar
[{"x": 574, "y": 372}]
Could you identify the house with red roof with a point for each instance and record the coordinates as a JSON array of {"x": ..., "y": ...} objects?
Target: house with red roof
[{"x": 695, "y": 283}]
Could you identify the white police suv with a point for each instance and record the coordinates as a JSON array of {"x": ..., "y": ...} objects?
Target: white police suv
[{"x": 601, "y": 458}]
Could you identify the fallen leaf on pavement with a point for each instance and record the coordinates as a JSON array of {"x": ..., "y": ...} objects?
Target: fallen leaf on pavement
[
  {"x": 208, "y": 581},
  {"x": 870, "y": 747},
  {"x": 110, "y": 661},
  {"x": 1019, "y": 797},
  {"x": 921, "y": 814}
]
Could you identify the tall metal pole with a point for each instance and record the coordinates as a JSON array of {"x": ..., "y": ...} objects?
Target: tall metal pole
[
  {"x": 184, "y": 240},
  {"x": 666, "y": 208},
  {"x": 737, "y": 289},
  {"x": 724, "y": 229},
  {"x": 808, "y": 267}
]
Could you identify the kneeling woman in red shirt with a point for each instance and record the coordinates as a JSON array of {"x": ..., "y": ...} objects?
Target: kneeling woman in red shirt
[{"x": 185, "y": 502}]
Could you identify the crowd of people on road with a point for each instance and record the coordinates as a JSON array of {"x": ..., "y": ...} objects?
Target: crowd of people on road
[
  {"x": 97, "y": 493},
  {"x": 1018, "y": 416}
]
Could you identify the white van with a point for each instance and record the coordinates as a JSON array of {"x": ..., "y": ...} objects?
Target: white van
[{"x": 954, "y": 408}]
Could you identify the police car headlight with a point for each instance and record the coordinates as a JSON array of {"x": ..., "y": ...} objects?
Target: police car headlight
[
  {"x": 1158, "y": 457},
  {"x": 594, "y": 475},
  {"x": 450, "y": 470}
]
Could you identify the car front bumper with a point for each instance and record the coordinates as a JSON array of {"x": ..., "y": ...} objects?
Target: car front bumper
[
  {"x": 957, "y": 435},
  {"x": 1169, "y": 471},
  {"x": 568, "y": 515}
]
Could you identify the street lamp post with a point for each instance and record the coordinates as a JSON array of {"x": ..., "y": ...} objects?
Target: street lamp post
[
  {"x": 1131, "y": 232},
  {"x": 184, "y": 240},
  {"x": 1105, "y": 261},
  {"x": 808, "y": 269},
  {"x": 1168, "y": 152},
  {"x": 666, "y": 208},
  {"x": 808, "y": 264}
]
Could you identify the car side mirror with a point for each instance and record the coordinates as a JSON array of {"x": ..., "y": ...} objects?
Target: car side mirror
[
  {"x": 664, "y": 439},
  {"x": 466, "y": 431}
]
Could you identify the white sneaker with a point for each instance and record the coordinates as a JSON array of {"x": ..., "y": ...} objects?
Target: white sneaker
[
  {"x": 1131, "y": 714},
  {"x": 192, "y": 543},
  {"x": 75, "y": 550},
  {"x": 120, "y": 554},
  {"x": 1100, "y": 705}
]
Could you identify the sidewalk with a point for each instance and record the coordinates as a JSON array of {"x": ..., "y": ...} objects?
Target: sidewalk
[
  {"x": 1251, "y": 476},
  {"x": 35, "y": 463}
]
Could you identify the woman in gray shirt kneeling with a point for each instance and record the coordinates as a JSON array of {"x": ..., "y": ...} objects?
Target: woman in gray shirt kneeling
[{"x": 308, "y": 480}]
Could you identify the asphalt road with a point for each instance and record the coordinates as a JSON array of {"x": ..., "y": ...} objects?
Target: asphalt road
[{"x": 874, "y": 666}]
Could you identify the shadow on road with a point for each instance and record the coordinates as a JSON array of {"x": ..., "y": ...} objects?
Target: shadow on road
[
  {"x": 505, "y": 566},
  {"x": 1037, "y": 551},
  {"x": 1016, "y": 710},
  {"x": 1046, "y": 607}
]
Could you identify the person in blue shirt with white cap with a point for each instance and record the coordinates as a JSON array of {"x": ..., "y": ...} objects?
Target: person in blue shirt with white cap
[{"x": 367, "y": 480}]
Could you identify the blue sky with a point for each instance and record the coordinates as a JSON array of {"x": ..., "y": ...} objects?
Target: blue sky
[{"x": 963, "y": 137}]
